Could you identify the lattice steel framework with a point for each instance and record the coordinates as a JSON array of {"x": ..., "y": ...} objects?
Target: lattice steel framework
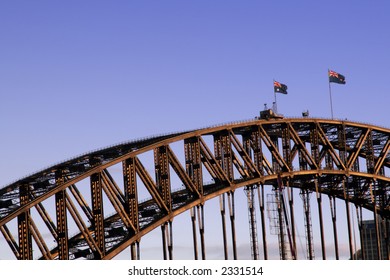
[{"x": 341, "y": 159}]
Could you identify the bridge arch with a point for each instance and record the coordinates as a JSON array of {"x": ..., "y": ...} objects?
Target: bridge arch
[{"x": 340, "y": 159}]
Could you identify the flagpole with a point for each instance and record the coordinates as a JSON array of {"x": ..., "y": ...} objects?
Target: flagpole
[
  {"x": 330, "y": 96},
  {"x": 276, "y": 104}
]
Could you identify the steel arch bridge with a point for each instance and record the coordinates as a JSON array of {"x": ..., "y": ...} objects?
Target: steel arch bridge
[{"x": 338, "y": 159}]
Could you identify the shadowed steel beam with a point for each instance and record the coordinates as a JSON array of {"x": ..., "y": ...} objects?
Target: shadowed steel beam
[
  {"x": 62, "y": 223},
  {"x": 150, "y": 185},
  {"x": 222, "y": 209},
  {"x": 163, "y": 183},
  {"x": 25, "y": 240},
  {"x": 377, "y": 230},
  {"x": 346, "y": 199},
  {"x": 260, "y": 193},
  {"x": 194, "y": 162},
  {"x": 135, "y": 251},
  {"x": 39, "y": 241},
  {"x": 359, "y": 215},
  {"x": 332, "y": 201},
  {"x": 290, "y": 194},
  {"x": 319, "y": 204},
  {"x": 232, "y": 222},
  {"x": 82, "y": 226},
  {"x": 194, "y": 235},
  {"x": 131, "y": 199},
  {"x": 97, "y": 210},
  {"x": 164, "y": 241},
  {"x": 201, "y": 231},
  {"x": 10, "y": 240}
]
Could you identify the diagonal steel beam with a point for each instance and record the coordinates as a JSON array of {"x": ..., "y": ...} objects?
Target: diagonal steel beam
[
  {"x": 181, "y": 173},
  {"x": 302, "y": 148},
  {"x": 150, "y": 185},
  {"x": 358, "y": 147},
  {"x": 382, "y": 157},
  {"x": 273, "y": 149},
  {"x": 330, "y": 149}
]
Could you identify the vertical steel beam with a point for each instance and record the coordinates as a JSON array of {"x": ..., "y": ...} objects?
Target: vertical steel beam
[
  {"x": 305, "y": 195},
  {"x": 319, "y": 204},
  {"x": 314, "y": 141},
  {"x": 258, "y": 159},
  {"x": 170, "y": 240},
  {"x": 194, "y": 162},
  {"x": 282, "y": 247},
  {"x": 135, "y": 251},
  {"x": 292, "y": 219},
  {"x": 232, "y": 222},
  {"x": 163, "y": 183},
  {"x": 377, "y": 229},
  {"x": 260, "y": 193},
  {"x": 386, "y": 237},
  {"x": 25, "y": 239},
  {"x": 359, "y": 215},
  {"x": 369, "y": 150},
  {"x": 223, "y": 156},
  {"x": 131, "y": 197},
  {"x": 342, "y": 145},
  {"x": 97, "y": 210},
  {"x": 332, "y": 201},
  {"x": 249, "y": 190},
  {"x": 62, "y": 224},
  {"x": 201, "y": 230},
  {"x": 194, "y": 235},
  {"x": 346, "y": 199},
  {"x": 222, "y": 209},
  {"x": 223, "y": 153},
  {"x": 286, "y": 146},
  {"x": 164, "y": 241}
]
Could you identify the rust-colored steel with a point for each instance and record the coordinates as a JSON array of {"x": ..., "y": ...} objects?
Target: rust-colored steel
[{"x": 97, "y": 216}]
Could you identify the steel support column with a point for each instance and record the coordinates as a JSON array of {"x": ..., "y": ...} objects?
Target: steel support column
[
  {"x": 359, "y": 215},
  {"x": 131, "y": 199},
  {"x": 194, "y": 235},
  {"x": 97, "y": 210},
  {"x": 305, "y": 195},
  {"x": 249, "y": 190},
  {"x": 201, "y": 231},
  {"x": 167, "y": 240},
  {"x": 194, "y": 162},
  {"x": 25, "y": 238},
  {"x": 319, "y": 204},
  {"x": 232, "y": 222},
  {"x": 349, "y": 229},
  {"x": 222, "y": 209},
  {"x": 162, "y": 175},
  {"x": 260, "y": 193},
  {"x": 62, "y": 225},
  {"x": 332, "y": 201}
]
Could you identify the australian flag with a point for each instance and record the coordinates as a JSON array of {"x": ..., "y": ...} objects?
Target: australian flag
[
  {"x": 281, "y": 88},
  {"x": 335, "y": 77}
]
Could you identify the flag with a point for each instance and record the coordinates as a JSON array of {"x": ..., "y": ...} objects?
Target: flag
[
  {"x": 281, "y": 88},
  {"x": 335, "y": 77}
]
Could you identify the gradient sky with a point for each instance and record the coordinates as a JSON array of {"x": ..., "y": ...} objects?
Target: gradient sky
[{"x": 81, "y": 75}]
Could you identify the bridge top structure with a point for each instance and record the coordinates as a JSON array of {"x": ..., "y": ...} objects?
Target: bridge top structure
[{"x": 340, "y": 158}]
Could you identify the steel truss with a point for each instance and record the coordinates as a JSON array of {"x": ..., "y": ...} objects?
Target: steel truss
[{"x": 339, "y": 159}]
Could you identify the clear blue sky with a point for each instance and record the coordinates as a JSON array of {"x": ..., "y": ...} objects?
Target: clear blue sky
[{"x": 80, "y": 75}]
